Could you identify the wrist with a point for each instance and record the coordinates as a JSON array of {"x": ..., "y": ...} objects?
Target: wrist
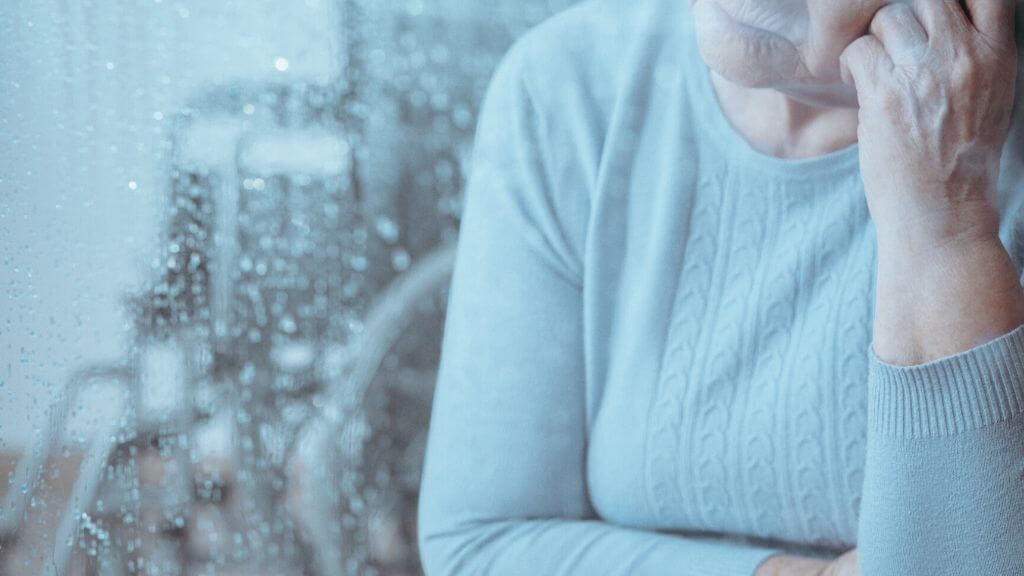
[
  {"x": 933, "y": 234},
  {"x": 917, "y": 255},
  {"x": 932, "y": 302}
]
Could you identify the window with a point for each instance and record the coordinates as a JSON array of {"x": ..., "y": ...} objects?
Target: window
[{"x": 227, "y": 232}]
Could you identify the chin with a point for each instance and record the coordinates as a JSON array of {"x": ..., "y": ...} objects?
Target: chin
[{"x": 755, "y": 58}]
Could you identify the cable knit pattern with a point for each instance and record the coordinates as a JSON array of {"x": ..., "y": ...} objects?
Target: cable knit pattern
[
  {"x": 657, "y": 352},
  {"x": 693, "y": 300},
  {"x": 738, "y": 433},
  {"x": 849, "y": 372},
  {"x": 714, "y": 422},
  {"x": 758, "y": 451}
]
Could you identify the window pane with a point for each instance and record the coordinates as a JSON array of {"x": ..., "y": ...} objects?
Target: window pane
[{"x": 227, "y": 232}]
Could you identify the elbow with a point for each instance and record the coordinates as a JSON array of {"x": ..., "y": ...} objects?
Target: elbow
[
  {"x": 434, "y": 535},
  {"x": 434, "y": 531},
  {"x": 451, "y": 544},
  {"x": 433, "y": 555},
  {"x": 436, "y": 551},
  {"x": 444, "y": 548}
]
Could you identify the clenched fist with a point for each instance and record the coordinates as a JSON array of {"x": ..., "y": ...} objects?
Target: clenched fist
[{"x": 935, "y": 83}]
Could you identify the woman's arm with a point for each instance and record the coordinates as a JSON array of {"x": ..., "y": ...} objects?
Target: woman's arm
[
  {"x": 504, "y": 486},
  {"x": 936, "y": 90},
  {"x": 944, "y": 479}
]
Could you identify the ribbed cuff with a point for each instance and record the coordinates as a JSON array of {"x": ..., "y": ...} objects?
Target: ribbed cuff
[{"x": 966, "y": 391}]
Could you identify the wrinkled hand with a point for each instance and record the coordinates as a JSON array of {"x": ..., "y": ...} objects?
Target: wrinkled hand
[
  {"x": 935, "y": 82},
  {"x": 785, "y": 565}
]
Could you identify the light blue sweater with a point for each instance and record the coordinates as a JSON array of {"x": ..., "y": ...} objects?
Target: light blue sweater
[{"x": 657, "y": 353}]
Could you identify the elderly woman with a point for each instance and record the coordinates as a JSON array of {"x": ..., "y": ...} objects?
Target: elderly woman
[{"x": 738, "y": 292}]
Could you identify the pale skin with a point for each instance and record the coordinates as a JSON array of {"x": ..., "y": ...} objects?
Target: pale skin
[{"x": 926, "y": 88}]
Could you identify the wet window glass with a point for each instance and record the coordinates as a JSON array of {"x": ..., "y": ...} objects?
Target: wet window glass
[{"x": 226, "y": 240}]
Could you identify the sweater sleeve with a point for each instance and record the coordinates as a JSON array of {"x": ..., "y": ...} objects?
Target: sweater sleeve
[
  {"x": 943, "y": 489},
  {"x": 504, "y": 483}
]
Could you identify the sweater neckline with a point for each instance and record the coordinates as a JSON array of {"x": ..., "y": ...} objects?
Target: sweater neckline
[{"x": 735, "y": 148}]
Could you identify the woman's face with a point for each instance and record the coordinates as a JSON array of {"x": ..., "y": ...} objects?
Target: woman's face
[{"x": 789, "y": 45}]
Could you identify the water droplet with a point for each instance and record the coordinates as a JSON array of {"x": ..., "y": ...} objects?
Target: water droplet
[
  {"x": 387, "y": 229},
  {"x": 462, "y": 116},
  {"x": 400, "y": 260},
  {"x": 288, "y": 325}
]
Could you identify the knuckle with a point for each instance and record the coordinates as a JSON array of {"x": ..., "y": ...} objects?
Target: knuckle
[
  {"x": 881, "y": 18},
  {"x": 897, "y": 12},
  {"x": 892, "y": 17},
  {"x": 860, "y": 50},
  {"x": 853, "y": 48}
]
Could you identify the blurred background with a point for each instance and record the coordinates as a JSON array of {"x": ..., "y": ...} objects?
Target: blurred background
[{"x": 226, "y": 236}]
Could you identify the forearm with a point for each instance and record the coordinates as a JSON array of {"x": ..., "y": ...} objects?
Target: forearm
[
  {"x": 577, "y": 547},
  {"x": 942, "y": 502},
  {"x": 944, "y": 479},
  {"x": 943, "y": 490},
  {"x": 935, "y": 301}
]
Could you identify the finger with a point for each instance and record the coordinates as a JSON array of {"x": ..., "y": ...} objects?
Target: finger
[
  {"x": 900, "y": 32},
  {"x": 863, "y": 62},
  {"x": 943, "y": 20},
  {"x": 993, "y": 18}
]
